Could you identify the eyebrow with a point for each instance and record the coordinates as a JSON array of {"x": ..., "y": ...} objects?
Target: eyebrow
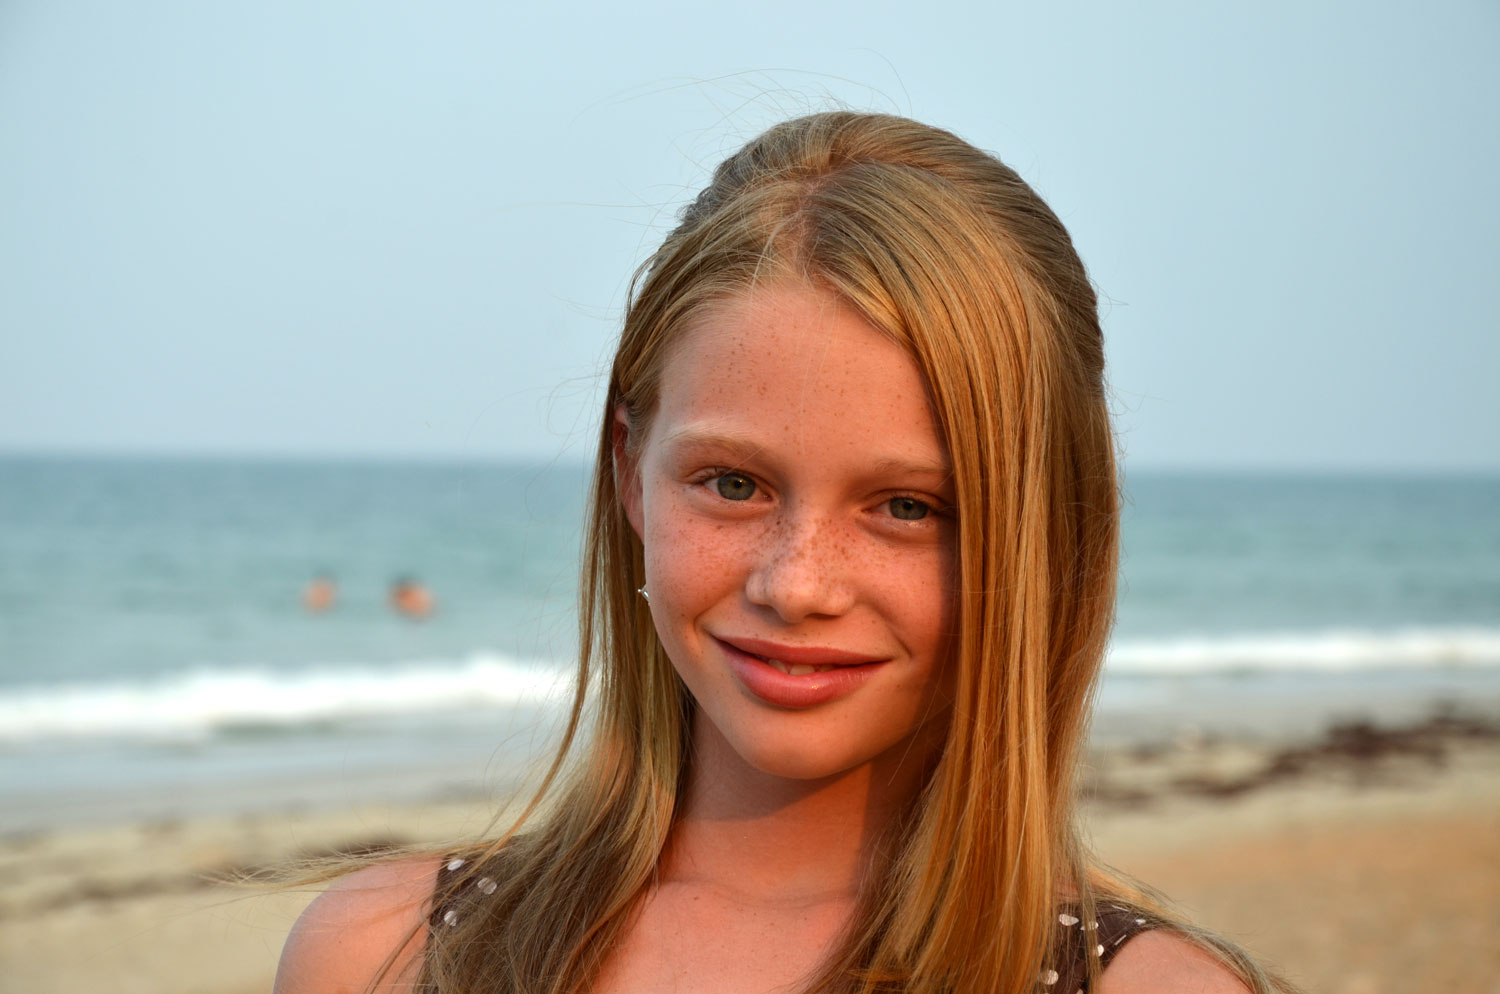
[
  {"x": 912, "y": 467},
  {"x": 716, "y": 438}
]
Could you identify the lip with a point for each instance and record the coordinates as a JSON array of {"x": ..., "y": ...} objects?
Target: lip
[
  {"x": 799, "y": 655},
  {"x": 747, "y": 661}
]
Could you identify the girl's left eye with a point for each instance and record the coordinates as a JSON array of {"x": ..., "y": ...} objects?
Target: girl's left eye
[{"x": 908, "y": 508}]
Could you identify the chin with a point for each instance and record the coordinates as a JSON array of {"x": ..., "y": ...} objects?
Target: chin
[
  {"x": 790, "y": 764},
  {"x": 792, "y": 759}
]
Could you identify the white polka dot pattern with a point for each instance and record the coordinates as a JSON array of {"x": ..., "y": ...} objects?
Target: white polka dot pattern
[
  {"x": 1070, "y": 972},
  {"x": 1116, "y": 925}
]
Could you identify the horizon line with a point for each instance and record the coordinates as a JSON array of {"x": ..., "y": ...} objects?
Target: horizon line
[{"x": 578, "y": 460}]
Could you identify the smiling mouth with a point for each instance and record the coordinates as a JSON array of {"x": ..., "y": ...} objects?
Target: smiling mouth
[
  {"x": 794, "y": 669},
  {"x": 798, "y": 660},
  {"x": 797, "y": 677}
]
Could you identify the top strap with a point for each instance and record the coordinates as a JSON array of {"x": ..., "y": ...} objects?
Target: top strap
[{"x": 1115, "y": 925}]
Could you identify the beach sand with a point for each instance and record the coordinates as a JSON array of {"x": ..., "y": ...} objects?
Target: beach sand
[{"x": 1364, "y": 863}]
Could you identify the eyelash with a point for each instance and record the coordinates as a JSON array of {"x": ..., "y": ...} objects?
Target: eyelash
[
  {"x": 712, "y": 476},
  {"x": 932, "y": 508}
]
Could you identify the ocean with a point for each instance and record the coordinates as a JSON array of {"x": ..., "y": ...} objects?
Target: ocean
[{"x": 156, "y": 657}]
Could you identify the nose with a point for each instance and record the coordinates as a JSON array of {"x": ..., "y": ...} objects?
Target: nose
[{"x": 804, "y": 569}]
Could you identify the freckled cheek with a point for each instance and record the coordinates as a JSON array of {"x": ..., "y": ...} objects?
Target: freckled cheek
[
  {"x": 917, "y": 592},
  {"x": 693, "y": 561},
  {"x": 910, "y": 576}
]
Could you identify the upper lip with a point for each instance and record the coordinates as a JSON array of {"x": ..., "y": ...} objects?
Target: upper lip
[{"x": 794, "y": 655}]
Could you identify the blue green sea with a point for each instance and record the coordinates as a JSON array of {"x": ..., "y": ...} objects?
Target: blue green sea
[{"x": 156, "y": 657}]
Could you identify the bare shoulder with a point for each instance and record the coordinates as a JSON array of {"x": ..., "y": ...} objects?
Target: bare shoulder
[
  {"x": 362, "y": 923},
  {"x": 1159, "y": 962}
]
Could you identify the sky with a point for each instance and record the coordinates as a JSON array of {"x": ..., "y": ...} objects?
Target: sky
[{"x": 330, "y": 228}]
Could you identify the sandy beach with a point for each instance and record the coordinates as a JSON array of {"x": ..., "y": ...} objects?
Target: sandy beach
[{"x": 1365, "y": 862}]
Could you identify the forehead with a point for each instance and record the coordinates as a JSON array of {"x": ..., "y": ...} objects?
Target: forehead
[{"x": 796, "y": 367}]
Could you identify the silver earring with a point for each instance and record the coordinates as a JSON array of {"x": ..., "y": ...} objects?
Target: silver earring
[{"x": 643, "y": 592}]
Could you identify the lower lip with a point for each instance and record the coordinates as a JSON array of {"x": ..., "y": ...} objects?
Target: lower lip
[{"x": 785, "y": 690}]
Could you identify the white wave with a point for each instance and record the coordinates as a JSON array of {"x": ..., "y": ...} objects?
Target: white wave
[
  {"x": 195, "y": 705},
  {"x": 1334, "y": 650}
]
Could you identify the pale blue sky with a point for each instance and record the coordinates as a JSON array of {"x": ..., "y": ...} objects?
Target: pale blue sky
[{"x": 354, "y": 228}]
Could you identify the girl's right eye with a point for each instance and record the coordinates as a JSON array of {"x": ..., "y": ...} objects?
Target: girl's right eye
[{"x": 735, "y": 486}]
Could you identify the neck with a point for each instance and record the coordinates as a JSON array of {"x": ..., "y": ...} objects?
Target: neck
[{"x": 777, "y": 840}]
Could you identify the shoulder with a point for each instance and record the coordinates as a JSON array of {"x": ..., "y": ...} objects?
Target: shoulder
[
  {"x": 362, "y": 923},
  {"x": 1161, "y": 962}
]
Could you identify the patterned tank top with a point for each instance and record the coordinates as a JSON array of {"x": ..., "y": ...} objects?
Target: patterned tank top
[{"x": 1114, "y": 925}]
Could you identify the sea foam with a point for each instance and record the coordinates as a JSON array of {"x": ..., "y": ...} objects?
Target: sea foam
[
  {"x": 1344, "y": 650},
  {"x": 198, "y": 704}
]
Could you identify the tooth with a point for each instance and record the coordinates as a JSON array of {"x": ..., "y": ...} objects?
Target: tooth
[
  {"x": 801, "y": 669},
  {"x": 778, "y": 665}
]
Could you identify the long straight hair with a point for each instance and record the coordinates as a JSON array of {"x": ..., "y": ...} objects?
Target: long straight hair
[{"x": 949, "y": 253}]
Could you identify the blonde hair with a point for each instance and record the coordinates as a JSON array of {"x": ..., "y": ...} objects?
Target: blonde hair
[{"x": 949, "y": 252}]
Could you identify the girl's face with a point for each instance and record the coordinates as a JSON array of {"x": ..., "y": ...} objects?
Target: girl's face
[{"x": 793, "y": 498}]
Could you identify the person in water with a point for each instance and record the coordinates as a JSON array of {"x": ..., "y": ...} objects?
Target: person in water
[
  {"x": 847, "y": 584},
  {"x": 410, "y": 597},
  {"x": 320, "y": 594}
]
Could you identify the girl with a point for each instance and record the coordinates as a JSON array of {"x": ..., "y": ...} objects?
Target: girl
[{"x": 849, "y": 576}]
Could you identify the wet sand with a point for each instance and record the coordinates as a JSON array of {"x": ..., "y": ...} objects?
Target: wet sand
[{"x": 1366, "y": 862}]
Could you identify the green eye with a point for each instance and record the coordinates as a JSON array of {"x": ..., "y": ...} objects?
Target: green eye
[
  {"x": 908, "y": 509},
  {"x": 733, "y": 486}
]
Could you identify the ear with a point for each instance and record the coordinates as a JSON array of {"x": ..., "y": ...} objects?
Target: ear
[{"x": 627, "y": 473}]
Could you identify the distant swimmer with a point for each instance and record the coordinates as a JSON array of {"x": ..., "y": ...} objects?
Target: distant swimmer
[
  {"x": 320, "y": 593},
  {"x": 410, "y": 598}
]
